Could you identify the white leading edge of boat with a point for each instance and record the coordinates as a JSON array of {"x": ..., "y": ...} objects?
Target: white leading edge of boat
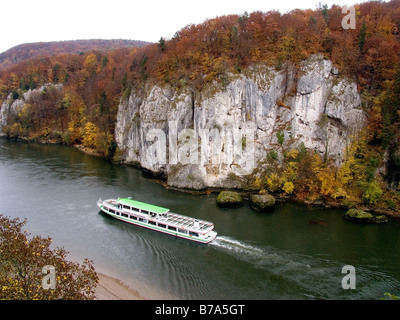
[{"x": 158, "y": 219}]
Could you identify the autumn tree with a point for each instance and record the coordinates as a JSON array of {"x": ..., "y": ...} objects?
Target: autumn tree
[{"x": 31, "y": 270}]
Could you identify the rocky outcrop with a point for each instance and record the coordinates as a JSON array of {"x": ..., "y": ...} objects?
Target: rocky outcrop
[
  {"x": 360, "y": 216},
  {"x": 10, "y": 107},
  {"x": 262, "y": 202},
  {"x": 229, "y": 199},
  {"x": 215, "y": 137}
]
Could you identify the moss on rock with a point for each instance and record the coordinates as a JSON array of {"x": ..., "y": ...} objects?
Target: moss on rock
[
  {"x": 361, "y": 216},
  {"x": 262, "y": 202},
  {"x": 229, "y": 199}
]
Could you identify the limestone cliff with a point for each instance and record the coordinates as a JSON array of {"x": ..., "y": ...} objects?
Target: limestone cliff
[
  {"x": 208, "y": 138},
  {"x": 11, "y": 107}
]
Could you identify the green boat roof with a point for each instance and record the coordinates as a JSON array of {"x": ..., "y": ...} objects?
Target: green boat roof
[{"x": 142, "y": 205}]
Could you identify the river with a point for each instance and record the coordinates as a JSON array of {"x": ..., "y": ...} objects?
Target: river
[{"x": 280, "y": 255}]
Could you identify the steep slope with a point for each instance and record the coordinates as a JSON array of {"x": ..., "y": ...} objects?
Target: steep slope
[{"x": 215, "y": 137}]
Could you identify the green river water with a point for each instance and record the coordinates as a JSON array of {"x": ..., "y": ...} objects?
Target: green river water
[{"x": 281, "y": 255}]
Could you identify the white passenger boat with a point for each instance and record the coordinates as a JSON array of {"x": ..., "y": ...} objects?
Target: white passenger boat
[{"x": 158, "y": 219}]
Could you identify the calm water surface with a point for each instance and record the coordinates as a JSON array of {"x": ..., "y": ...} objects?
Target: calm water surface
[{"x": 255, "y": 256}]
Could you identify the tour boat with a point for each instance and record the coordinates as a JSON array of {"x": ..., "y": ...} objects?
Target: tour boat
[{"x": 158, "y": 219}]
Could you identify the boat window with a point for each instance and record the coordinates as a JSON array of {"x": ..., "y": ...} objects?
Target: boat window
[
  {"x": 112, "y": 211},
  {"x": 133, "y": 218},
  {"x": 127, "y": 207},
  {"x": 162, "y": 225},
  {"x": 117, "y": 213},
  {"x": 195, "y": 234},
  {"x": 171, "y": 228},
  {"x": 145, "y": 212},
  {"x": 124, "y": 215},
  {"x": 182, "y": 231},
  {"x": 152, "y": 222},
  {"x": 135, "y": 209},
  {"x": 141, "y": 219}
]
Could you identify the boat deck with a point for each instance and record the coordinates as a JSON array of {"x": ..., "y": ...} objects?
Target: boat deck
[{"x": 180, "y": 221}]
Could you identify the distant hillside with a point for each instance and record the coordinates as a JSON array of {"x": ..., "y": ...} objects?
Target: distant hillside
[{"x": 29, "y": 51}]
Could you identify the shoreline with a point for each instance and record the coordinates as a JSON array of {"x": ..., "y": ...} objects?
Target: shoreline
[
  {"x": 110, "y": 288},
  {"x": 393, "y": 215},
  {"x": 115, "y": 285}
]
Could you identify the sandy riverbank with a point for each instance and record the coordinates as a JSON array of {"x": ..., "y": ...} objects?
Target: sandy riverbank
[{"x": 110, "y": 288}]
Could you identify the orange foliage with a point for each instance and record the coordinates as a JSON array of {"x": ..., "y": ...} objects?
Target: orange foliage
[{"x": 198, "y": 54}]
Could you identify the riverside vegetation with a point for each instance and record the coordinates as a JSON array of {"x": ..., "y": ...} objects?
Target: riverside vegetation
[
  {"x": 22, "y": 273},
  {"x": 74, "y": 98}
]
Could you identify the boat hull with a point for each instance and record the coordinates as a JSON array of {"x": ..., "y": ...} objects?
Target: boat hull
[{"x": 210, "y": 238}]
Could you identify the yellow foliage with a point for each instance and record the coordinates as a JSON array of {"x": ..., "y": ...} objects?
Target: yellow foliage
[
  {"x": 353, "y": 169},
  {"x": 292, "y": 154},
  {"x": 387, "y": 28},
  {"x": 89, "y": 135},
  {"x": 290, "y": 172},
  {"x": 288, "y": 44},
  {"x": 74, "y": 131},
  {"x": 339, "y": 193},
  {"x": 90, "y": 62},
  {"x": 13, "y": 81},
  {"x": 15, "y": 130},
  {"x": 327, "y": 178},
  {"x": 273, "y": 182},
  {"x": 288, "y": 187},
  {"x": 257, "y": 184},
  {"x": 3, "y": 89}
]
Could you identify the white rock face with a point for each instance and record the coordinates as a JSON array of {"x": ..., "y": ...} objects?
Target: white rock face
[
  {"x": 209, "y": 138},
  {"x": 8, "y": 108}
]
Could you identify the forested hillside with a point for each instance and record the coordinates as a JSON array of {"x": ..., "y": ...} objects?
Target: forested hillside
[
  {"x": 84, "y": 110},
  {"x": 30, "y": 51}
]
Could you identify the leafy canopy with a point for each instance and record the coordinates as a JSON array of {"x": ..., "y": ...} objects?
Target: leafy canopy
[{"x": 22, "y": 273}]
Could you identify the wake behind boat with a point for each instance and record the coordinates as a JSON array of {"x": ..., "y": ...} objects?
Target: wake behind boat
[{"x": 158, "y": 219}]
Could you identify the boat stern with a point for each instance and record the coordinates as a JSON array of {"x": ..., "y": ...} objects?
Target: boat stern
[{"x": 211, "y": 236}]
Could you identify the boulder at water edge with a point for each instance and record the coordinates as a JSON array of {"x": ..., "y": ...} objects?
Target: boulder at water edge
[
  {"x": 229, "y": 199},
  {"x": 262, "y": 202},
  {"x": 361, "y": 216}
]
